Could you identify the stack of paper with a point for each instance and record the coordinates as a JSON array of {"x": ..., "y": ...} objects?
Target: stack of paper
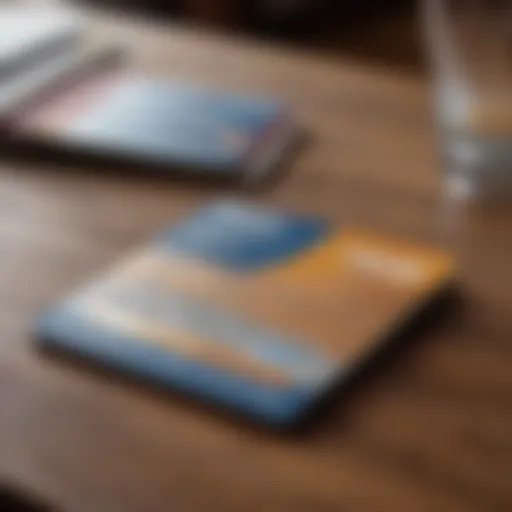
[{"x": 39, "y": 46}]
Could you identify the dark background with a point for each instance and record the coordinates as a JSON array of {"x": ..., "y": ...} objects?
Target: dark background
[{"x": 380, "y": 32}]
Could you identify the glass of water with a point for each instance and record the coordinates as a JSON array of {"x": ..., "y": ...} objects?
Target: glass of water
[{"x": 470, "y": 43}]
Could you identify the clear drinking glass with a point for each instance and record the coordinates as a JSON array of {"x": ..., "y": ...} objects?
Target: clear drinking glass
[{"x": 470, "y": 42}]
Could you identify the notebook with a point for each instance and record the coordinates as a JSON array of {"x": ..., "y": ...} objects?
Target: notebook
[
  {"x": 26, "y": 91},
  {"x": 166, "y": 125},
  {"x": 29, "y": 35},
  {"x": 249, "y": 308}
]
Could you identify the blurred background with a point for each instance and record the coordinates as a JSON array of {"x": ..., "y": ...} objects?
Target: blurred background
[
  {"x": 379, "y": 31},
  {"x": 441, "y": 410}
]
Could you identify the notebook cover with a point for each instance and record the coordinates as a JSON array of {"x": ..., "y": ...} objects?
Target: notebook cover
[
  {"x": 30, "y": 35},
  {"x": 26, "y": 93},
  {"x": 152, "y": 121},
  {"x": 254, "y": 309}
]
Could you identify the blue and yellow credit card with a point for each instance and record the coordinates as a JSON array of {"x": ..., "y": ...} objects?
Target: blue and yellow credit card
[{"x": 254, "y": 309}]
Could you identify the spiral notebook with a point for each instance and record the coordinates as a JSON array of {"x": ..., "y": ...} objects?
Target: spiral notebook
[{"x": 60, "y": 93}]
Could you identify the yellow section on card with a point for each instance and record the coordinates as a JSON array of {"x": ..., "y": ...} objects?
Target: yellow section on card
[{"x": 356, "y": 253}]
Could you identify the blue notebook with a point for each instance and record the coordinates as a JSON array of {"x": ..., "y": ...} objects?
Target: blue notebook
[
  {"x": 253, "y": 309},
  {"x": 171, "y": 125}
]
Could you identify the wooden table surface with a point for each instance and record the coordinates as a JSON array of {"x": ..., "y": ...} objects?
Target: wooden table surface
[{"x": 430, "y": 431}]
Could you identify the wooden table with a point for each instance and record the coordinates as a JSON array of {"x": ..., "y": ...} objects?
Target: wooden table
[
  {"x": 214, "y": 12},
  {"x": 430, "y": 431}
]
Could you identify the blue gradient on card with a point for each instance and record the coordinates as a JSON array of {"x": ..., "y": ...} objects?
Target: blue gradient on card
[
  {"x": 244, "y": 238},
  {"x": 276, "y": 405},
  {"x": 295, "y": 358}
]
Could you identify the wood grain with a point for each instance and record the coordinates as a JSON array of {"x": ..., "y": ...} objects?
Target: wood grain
[{"x": 430, "y": 430}]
